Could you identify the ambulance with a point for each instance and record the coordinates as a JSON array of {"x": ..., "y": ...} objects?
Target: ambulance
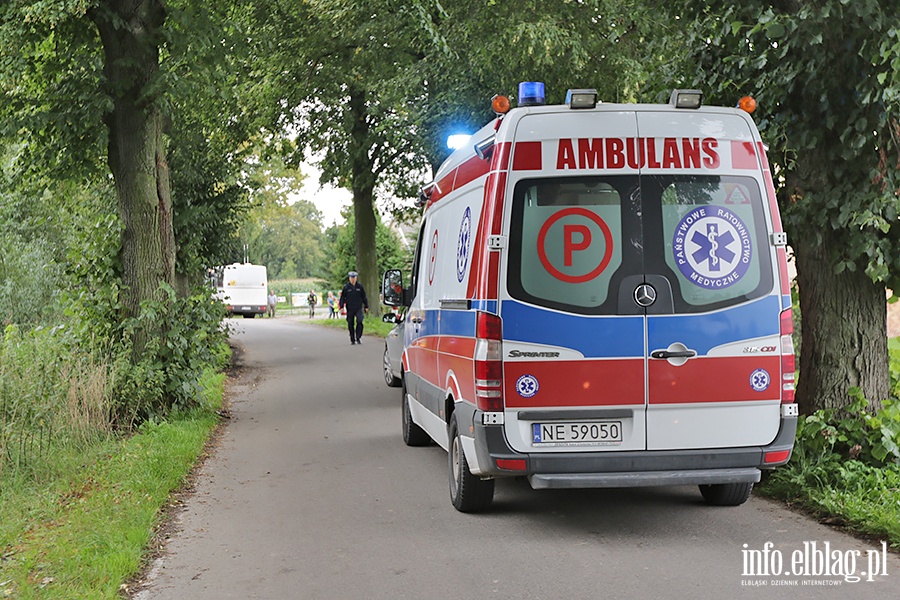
[{"x": 600, "y": 298}]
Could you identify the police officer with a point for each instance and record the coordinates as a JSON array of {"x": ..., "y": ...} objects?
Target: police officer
[{"x": 353, "y": 297}]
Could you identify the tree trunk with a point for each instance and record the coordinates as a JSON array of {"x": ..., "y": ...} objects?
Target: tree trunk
[
  {"x": 131, "y": 32},
  {"x": 843, "y": 332},
  {"x": 363, "y": 187}
]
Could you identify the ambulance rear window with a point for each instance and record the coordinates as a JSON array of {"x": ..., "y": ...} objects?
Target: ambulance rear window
[
  {"x": 566, "y": 240},
  {"x": 714, "y": 239}
]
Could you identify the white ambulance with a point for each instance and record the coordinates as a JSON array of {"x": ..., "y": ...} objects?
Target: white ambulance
[{"x": 600, "y": 298}]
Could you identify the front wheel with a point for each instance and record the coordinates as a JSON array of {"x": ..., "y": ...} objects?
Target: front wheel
[
  {"x": 726, "y": 494},
  {"x": 389, "y": 377},
  {"x": 468, "y": 493},
  {"x": 413, "y": 435}
]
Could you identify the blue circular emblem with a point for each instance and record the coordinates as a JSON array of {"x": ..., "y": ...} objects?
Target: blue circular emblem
[
  {"x": 712, "y": 247},
  {"x": 759, "y": 380},
  {"x": 462, "y": 244},
  {"x": 527, "y": 386}
]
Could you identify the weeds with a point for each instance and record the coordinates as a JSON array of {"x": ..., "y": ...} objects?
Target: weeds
[
  {"x": 846, "y": 464},
  {"x": 51, "y": 394}
]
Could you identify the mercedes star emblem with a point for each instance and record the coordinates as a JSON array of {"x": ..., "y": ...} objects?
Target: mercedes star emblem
[{"x": 645, "y": 295}]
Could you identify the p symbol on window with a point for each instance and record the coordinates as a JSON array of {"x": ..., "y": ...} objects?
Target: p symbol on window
[{"x": 570, "y": 246}]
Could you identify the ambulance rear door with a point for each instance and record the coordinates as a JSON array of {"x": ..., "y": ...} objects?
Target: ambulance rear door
[
  {"x": 713, "y": 363},
  {"x": 574, "y": 350}
]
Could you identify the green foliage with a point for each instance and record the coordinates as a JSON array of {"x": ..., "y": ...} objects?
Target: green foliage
[
  {"x": 827, "y": 82},
  {"x": 168, "y": 374},
  {"x": 82, "y": 531},
  {"x": 52, "y": 394},
  {"x": 846, "y": 465},
  {"x": 830, "y": 436},
  {"x": 390, "y": 252},
  {"x": 281, "y": 232}
]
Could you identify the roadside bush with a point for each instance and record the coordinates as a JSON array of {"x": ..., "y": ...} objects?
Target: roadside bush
[
  {"x": 846, "y": 464},
  {"x": 169, "y": 372},
  {"x": 52, "y": 394},
  {"x": 29, "y": 279}
]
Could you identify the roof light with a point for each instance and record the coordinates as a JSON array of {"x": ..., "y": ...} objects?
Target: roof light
[
  {"x": 531, "y": 93},
  {"x": 500, "y": 104},
  {"x": 457, "y": 140},
  {"x": 747, "y": 104},
  {"x": 686, "y": 98},
  {"x": 581, "y": 98}
]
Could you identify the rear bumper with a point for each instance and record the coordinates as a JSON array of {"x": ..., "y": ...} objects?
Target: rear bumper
[
  {"x": 644, "y": 478},
  {"x": 629, "y": 468}
]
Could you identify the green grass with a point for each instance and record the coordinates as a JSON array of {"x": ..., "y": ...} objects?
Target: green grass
[
  {"x": 83, "y": 531},
  {"x": 862, "y": 498},
  {"x": 373, "y": 326}
]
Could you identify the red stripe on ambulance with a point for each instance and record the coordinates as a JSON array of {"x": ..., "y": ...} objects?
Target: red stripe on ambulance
[
  {"x": 712, "y": 379},
  {"x": 577, "y": 383}
]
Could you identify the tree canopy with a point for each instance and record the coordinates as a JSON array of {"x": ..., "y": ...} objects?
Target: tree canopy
[
  {"x": 825, "y": 75},
  {"x": 133, "y": 133}
]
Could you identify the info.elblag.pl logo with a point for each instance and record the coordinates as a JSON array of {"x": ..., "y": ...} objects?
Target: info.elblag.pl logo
[{"x": 813, "y": 559}]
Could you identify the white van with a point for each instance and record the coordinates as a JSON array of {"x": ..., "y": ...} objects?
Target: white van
[
  {"x": 244, "y": 288},
  {"x": 600, "y": 298}
]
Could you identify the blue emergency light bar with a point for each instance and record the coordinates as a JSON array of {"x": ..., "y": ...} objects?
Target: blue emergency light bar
[
  {"x": 458, "y": 140},
  {"x": 531, "y": 93}
]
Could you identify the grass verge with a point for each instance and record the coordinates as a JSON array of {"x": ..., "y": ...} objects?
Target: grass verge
[
  {"x": 83, "y": 530},
  {"x": 373, "y": 326}
]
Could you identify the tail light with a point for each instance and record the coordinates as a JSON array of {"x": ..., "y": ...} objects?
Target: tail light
[
  {"x": 488, "y": 362},
  {"x": 787, "y": 357}
]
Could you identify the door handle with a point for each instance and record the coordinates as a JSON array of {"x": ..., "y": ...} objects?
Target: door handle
[{"x": 673, "y": 354}]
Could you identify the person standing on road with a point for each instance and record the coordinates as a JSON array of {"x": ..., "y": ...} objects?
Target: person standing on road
[
  {"x": 312, "y": 300},
  {"x": 332, "y": 305},
  {"x": 353, "y": 297},
  {"x": 272, "y": 303}
]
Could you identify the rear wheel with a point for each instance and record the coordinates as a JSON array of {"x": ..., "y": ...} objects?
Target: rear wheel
[
  {"x": 468, "y": 493},
  {"x": 413, "y": 435},
  {"x": 389, "y": 378},
  {"x": 726, "y": 494}
]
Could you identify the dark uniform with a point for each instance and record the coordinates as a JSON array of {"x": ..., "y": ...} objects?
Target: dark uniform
[{"x": 353, "y": 297}]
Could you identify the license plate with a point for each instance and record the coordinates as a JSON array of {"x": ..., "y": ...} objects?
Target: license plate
[
  {"x": 245, "y": 308},
  {"x": 577, "y": 433}
]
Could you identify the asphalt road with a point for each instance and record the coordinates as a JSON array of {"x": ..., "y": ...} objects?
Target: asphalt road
[{"x": 312, "y": 494}]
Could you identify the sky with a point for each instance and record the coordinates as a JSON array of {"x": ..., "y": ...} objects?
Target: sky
[{"x": 329, "y": 200}]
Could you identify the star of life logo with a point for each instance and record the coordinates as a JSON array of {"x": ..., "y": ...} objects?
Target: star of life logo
[
  {"x": 712, "y": 247},
  {"x": 759, "y": 380},
  {"x": 462, "y": 244},
  {"x": 527, "y": 386}
]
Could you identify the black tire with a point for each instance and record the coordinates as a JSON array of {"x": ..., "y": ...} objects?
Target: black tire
[
  {"x": 413, "y": 435},
  {"x": 468, "y": 493},
  {"x": 726, "y": 494},
  {"x": 389, "y": 377}
]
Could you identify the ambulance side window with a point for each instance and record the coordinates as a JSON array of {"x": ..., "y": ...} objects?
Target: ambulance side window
[
  {"x": 414, "y": 276},
  {"x": 714, "y": 239}
]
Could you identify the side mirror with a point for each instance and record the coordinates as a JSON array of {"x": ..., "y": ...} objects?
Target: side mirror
[
  {"x": 392, "y": 287},
  {"x": 389, "y": 318}
]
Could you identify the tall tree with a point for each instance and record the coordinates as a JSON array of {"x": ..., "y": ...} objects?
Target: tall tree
[
  {"x": 90, "y": 90},
  {"x": 826, "y": 76},
  {"x": 374, "y": 87},
  {"x": 131, "y": 32}
]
